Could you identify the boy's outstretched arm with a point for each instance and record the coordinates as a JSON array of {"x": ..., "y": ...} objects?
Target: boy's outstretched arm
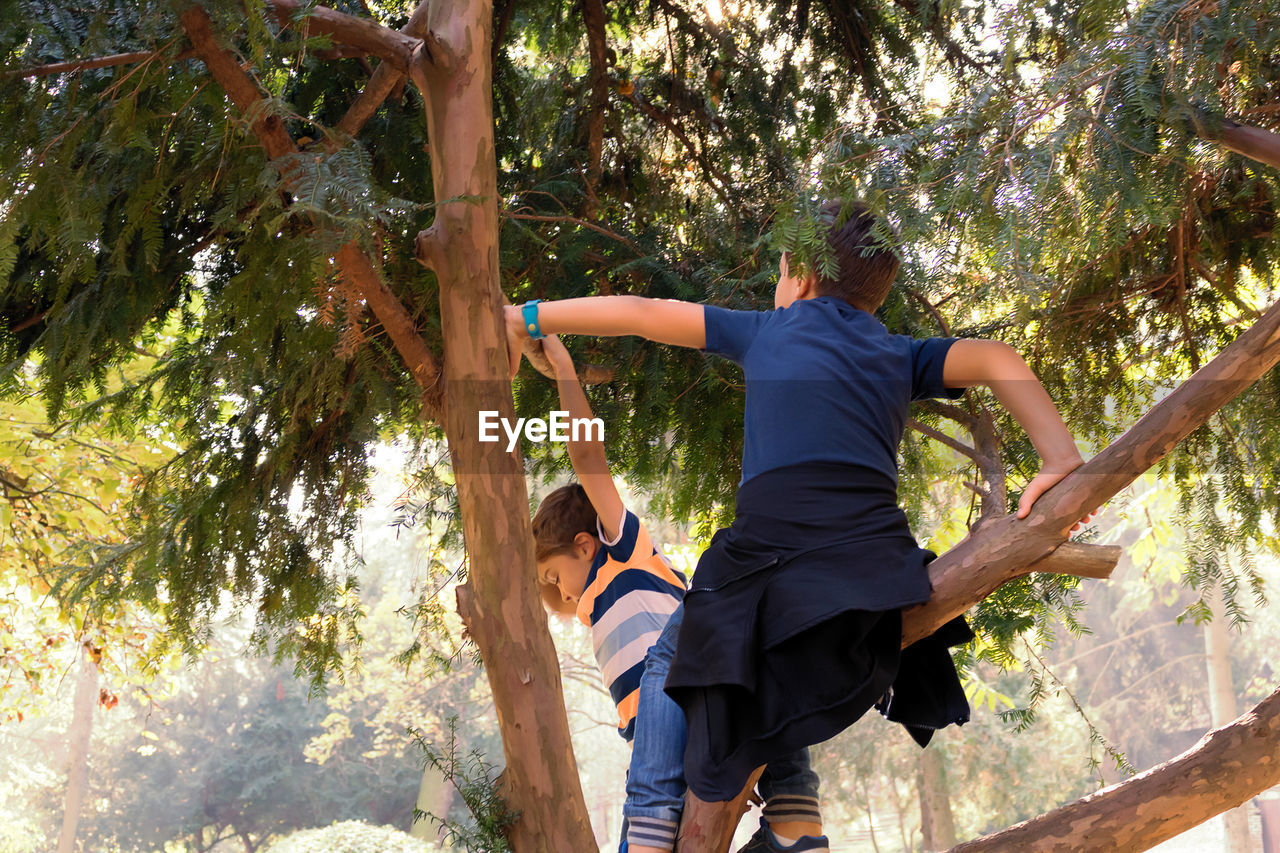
[
  {"x": 586, "y": 454},
  {"x": 667, "y": 321},
  {"x": 999, "y": 366}
]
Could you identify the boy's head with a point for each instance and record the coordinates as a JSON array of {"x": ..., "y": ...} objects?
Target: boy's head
[
  {"x": 565, "y": 544},
  {"x": 865, "y": 266}
]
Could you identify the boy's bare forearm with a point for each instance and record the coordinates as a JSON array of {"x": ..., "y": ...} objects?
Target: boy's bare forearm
[
  {"x": 586, "y": 455},
  {"x": 999, "y": 367},
  {"x": 663, "y": 320},
  {"x": 1030, "y": 405}
]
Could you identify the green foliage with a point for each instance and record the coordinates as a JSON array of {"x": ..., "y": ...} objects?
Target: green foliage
[
  {"x": 1055, "y": 192},
  {"x": 471, "y": 775},
  {"x": 350, "y": 836}
]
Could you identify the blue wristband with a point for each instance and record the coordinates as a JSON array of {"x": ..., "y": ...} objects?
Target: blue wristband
[{"x": 529, "y": 311}]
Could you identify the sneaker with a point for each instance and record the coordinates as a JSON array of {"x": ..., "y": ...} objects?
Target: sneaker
[{"x": 764, "y": 841}]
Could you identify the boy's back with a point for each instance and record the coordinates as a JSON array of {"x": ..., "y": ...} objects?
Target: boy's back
[
  {"x": 631, "y": 591},
  {"x": 826, "y": 382}
]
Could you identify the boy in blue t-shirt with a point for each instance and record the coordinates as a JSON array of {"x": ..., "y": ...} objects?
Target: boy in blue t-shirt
[
  {"x": 596, "y": 561},
  {"x": 791, "y": 628}
]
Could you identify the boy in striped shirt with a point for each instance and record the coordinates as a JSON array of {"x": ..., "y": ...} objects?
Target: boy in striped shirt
[{"x": 596, "y": 561}]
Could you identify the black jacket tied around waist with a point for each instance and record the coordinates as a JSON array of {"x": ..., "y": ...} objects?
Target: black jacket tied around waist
[{"x": 792, "y": 627}]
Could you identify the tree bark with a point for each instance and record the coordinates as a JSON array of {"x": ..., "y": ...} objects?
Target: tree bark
[
  {"x": 1227, "y": 767},
  {"x": 78, "y": 736},
  {"x": 1222, "y": 707},
  {"x": 1254, "y": 142},
  {"x": 499, "y": 603},
  {"x": 708, "y": 826},
  {"x": 392, "y": 46},
  {"x": 937, "y": 823}
]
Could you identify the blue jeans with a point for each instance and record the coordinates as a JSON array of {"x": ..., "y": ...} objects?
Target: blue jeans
[{"x": 655, "y": 780}]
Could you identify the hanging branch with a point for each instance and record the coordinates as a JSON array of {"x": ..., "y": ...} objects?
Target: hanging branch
[
  {"x": 98, "y": 62},
  {"x": 353, "y": 264},
  {"x": 392, "y": 46}
]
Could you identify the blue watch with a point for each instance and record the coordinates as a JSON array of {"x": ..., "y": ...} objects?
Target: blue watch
[{"x": 529, "y": 311}]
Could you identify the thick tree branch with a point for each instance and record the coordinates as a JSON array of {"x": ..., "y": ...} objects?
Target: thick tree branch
[
  {"x": 386, "y": 77},
  {"x": 1227, "y": 767},
  {"x": 594, "y": 17},
  {"x": 356, "y": 268},
  {"x": 238, "y": 85},
  {"x": 1254, "y": 142},
  {"x": 1261, "y": 145},
  {"x": 393, "y": 46},
  {"x": 353, "y": 264},
  {"x": 997, "y": 550},
  {"x": 710, "y": 826}
]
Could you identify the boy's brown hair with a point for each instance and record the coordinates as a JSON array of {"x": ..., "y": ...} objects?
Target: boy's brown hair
[
  {"x": 562, "y": 515},
  {"x": 866, "y": 266}
]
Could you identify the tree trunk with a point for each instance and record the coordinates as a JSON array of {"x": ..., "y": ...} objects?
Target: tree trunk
[
  {"x": 434, "y": 798},
  {"x": 1222, "y": 708},
  {"x": 78, "y": 736},
  {"x": 710, "y": 826},
  {"x": 937, "y": 824},
  {"x": 499, "y": 603},
  {"x": 1227, "y": 767}
]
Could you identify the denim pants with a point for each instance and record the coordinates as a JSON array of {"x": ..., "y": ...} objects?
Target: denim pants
[{"x": 655, "y": 780}]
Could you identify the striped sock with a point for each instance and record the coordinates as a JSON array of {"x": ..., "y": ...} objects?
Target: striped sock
[
  {"x": 651, "y": 832},
  {"x": 791, "y": 807}
]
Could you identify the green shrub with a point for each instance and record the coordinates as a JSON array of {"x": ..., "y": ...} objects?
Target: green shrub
[{"x": 350, "y": 836}]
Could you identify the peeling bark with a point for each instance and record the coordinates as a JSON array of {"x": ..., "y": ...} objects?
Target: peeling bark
[
  {"x": 710, "y": 826},
  {"x": 499, "y": 602}
]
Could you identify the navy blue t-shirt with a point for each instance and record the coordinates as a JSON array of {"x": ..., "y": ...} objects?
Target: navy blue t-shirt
[{"x": 826, "y": 382}]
